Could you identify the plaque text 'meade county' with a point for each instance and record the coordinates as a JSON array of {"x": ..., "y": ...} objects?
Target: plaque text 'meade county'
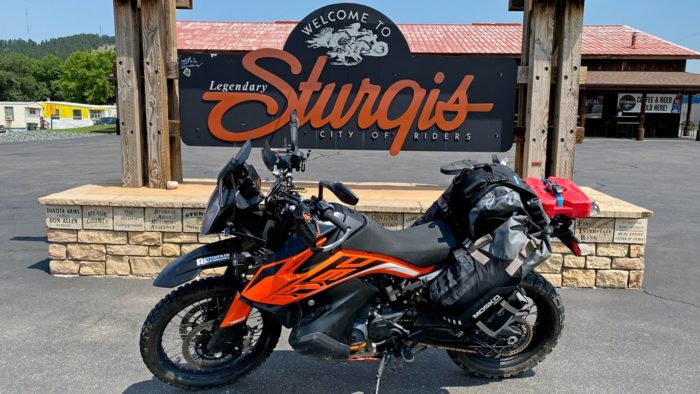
[
  {"x": 65, "y": 217},
  {"x": 97, "y": 218},
  {"x": 164, "y": 219},
  {"x": 128, "y": 219}
]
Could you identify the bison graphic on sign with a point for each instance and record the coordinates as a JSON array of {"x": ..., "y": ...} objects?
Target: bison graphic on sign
[{"x": 347, "y": 45}]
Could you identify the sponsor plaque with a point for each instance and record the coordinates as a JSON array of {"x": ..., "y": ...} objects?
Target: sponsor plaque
[
  {"x": 631, "y": 231},
  {"x": 128, "y": 219},
  {"x": 192, "y": 220},
  {"x": 64, "y": 217},
  {"x": 97, "y": 218},
  {"x": 163, "y": 219},
  {"x": 388, "y": 220},
  {"x": 410, "y": 218},
  {"x": 595, "y": 229}
]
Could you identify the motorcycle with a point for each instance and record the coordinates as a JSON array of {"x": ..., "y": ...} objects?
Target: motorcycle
[{"x": 348, "y": 289}]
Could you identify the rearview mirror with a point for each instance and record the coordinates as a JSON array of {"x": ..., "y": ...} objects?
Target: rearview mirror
[
  {"x": 269, "y": 157},
  {"x": 341, "y": 191}
]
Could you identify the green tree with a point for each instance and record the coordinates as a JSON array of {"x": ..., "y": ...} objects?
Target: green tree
[
  {"x": 17, "y": 81},
  {"x": 61, "y": 46},
  {"x": 47, "y": 73},
  {"x": 84, "y": 77}
]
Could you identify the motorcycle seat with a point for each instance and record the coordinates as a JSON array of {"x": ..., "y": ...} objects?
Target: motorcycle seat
[{"x": 421, "y": 246}]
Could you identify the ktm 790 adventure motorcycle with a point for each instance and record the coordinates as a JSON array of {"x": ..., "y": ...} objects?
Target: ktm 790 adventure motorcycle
[{"x": 348, "y": 289}]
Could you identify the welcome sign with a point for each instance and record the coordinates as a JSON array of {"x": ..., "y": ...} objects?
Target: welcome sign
[{"x": 348, "y": 72}]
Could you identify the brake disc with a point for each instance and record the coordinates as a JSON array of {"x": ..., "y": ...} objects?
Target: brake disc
[
  {"x": 192, "y": 319},
  {"x": 194, "y": 347}
]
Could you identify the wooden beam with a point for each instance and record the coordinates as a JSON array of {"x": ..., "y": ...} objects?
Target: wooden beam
[
  {"x": 569, "y": 32},
  {"x": 128, "y": 63},
  {"x": 174, "y": 126},
  {"x": 173, "y": 92},
  {"x": 521, "y": 75},
  {"x": 156, "y": 100},
  {"x": 522, "y": 89},
  {"x": 184, "y": 4},
  {"x": 541, "y": 31}
]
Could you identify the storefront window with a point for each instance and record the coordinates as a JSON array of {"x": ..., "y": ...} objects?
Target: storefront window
[{"x": 594, "y": 107}]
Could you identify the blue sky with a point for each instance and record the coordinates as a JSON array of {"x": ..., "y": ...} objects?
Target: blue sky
[{"x": 676, "y": 21}]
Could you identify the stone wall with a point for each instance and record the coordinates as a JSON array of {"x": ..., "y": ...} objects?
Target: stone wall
[
  {"x": 610, "y": 263},
  {"x": 112, "y": 236},
  {"x": 118, "y": 253}
]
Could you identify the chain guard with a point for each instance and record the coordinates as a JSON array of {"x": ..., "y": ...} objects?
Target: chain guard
[{"x": 471, "y": 350}]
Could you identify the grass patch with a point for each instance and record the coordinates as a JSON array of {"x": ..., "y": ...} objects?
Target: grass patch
[{"x": 105, "y": 128}]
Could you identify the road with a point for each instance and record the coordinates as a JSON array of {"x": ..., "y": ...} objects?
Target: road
[{"x": 81, "y": 334}]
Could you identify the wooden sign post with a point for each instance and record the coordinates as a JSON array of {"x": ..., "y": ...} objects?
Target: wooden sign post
[
  {"x": 148, "y": 99},
  {"x": 128, "y": 48},
  {"x": 550, "y": 66}
]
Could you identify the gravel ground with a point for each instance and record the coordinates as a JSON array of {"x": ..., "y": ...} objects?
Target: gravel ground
[{"x": 40, "y": 135}]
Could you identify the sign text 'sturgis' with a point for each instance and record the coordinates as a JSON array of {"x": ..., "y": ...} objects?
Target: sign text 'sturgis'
[{"x": 348, "y": 72}]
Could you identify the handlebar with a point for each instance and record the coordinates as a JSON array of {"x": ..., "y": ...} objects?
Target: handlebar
[
  {"x": 327, "y": 214},
  {"x": 323, "y": 211}
]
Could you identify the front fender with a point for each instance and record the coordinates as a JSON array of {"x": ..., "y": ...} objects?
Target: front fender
[{"x": 216, "y": 254}]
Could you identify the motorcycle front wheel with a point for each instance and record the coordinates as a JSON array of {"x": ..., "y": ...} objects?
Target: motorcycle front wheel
[
  {"x": 175, "y": 335},
  {"x": 546, "y": 320}
]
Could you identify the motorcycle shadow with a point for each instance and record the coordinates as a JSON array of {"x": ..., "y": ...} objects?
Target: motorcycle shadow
[{"x": 288, "y": 372}]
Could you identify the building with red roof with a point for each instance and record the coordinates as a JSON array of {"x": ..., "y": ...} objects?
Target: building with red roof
[{"x": 621, "y": 62}]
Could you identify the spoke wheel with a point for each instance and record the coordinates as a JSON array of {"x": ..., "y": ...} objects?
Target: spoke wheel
[
  {"x": 176, "y": 333},
  {"x": 537, "y": 330}
]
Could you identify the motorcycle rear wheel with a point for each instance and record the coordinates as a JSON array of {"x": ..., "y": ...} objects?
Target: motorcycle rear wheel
[
  {"x": 190, "y": 312},
  {"x": 547, "y": 329}
]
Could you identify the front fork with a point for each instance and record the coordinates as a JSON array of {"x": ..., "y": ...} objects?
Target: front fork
[{"x": 236, "y": 314}]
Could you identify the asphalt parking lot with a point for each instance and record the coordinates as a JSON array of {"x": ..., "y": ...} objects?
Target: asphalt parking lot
[{"x": 81, "y": 334}]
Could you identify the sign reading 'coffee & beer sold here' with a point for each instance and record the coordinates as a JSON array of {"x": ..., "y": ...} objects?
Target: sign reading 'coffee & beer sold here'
[{"x": 348, "y": 72}]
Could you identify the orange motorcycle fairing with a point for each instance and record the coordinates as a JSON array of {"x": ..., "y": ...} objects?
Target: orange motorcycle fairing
[
  {"x": 282, "y": 283},
  {"x": 237, "y": 312}
]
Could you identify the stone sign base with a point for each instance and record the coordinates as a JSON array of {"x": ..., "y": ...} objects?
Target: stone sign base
[{"x": 114, "y": 231}]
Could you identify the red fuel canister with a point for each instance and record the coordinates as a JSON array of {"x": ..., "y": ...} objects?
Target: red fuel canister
[{"x": 561, "y": 197}]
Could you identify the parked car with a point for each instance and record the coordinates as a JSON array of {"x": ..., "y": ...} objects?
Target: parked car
[
  {"x": 105, "y": 121},
  {"x": 2, "y": 129}
]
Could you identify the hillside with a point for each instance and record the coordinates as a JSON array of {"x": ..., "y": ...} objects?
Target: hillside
[{"x": 61, "y": 47}]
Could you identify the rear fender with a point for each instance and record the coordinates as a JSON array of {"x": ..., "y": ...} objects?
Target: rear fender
[{"x": 216, "y": 254}]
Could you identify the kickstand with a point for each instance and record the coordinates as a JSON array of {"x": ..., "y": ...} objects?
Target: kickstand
[{"x": 380, "y": 371}]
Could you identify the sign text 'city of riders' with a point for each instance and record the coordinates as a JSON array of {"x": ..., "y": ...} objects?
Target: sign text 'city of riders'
[{"x": 348, "y": 72}]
